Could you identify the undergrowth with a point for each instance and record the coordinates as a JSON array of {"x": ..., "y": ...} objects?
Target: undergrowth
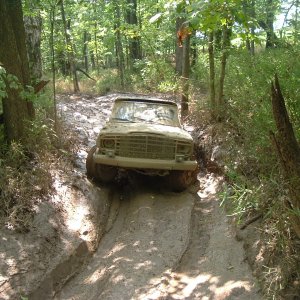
[
  {"x": 255, "y": 184},
  {"x": 25, "y": 170}
]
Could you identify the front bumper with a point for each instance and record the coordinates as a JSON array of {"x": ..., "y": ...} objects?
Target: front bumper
[{"x": 138, "y": 163}]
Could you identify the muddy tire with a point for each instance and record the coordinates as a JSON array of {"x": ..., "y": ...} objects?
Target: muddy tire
[
  {"x": 106, "y": 173},
  {"x": 99, "y": 172},
  {"x": 178, "y": 181},
  {"x": 90, "y": 164}
]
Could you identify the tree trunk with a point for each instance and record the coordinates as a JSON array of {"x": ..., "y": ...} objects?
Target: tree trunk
[
  {"x": 134, "y": 42},
  {"x": 178, "y": 49},
  {"x": 296, "y": 23},
  {"x": 52, "y": 22},
  {"x": 13, "y": 56},
  {"x": 85, "y": 51},
  {"x": 119, "y": 47},
  {"x": 288, "y": 152},
  {"x": 212, "y": 92},
  {"x": 185, "y": 78},
  {"x": 249, "y": 9},
  {"x": 226, "y": 33},
  {"x": 70, "y": 48},
  {"x": 33, "y": 28},
  {"x": 270, "y": 40}
]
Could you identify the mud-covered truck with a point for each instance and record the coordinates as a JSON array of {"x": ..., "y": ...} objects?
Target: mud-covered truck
[{"x": 144, "y": 135}]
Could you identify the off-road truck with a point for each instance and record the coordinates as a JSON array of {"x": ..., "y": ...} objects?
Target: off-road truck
[{"x": 144, "y": 135}]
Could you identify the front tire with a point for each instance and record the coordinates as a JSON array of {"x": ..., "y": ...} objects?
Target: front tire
[
  {"x": 99, "y": 172},
  {"x": 178, "y": 181},
  {"x": 105, "y": 173}
]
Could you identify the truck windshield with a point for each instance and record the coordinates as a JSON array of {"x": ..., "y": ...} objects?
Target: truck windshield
[{"x": 147, "y": 112}]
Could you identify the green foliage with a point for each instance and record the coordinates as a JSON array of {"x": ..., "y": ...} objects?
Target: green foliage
[{"x": 155, "y": 74}]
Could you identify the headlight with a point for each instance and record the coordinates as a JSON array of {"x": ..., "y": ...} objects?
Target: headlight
[
  {"x": 185, "y": 149},
  {"x": 108, "y": 143}
]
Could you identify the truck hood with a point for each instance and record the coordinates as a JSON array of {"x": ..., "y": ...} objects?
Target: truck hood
[{"x": 145, "y": 128}]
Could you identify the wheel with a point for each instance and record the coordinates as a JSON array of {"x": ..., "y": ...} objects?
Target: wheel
[
  {"x": 99, "y": 172},
  {"x": 105, "y": 173},
  {"x": 90, "y": 164},
  {"x": 178, "y": 181}
]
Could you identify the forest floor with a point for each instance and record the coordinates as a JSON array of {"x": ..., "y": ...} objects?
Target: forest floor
[{"x": 130, "y": 240}]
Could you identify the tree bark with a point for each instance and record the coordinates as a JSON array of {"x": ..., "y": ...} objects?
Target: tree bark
[
  {"x": 178, "y": 49},
  {"x": 288, "y": 152},
  {"x": 33, "y": 28},
  {"x": 85, "y": 51},
  {"x": 226, "y": 33},
  {"x": 185, "y": 78},
  {"x": 271, "y": 37},
  {"x": 13, "y": 56},
  {"x": 119, "y": 46},
  {"x": 212, "y": 91},
  {"x": 70, "y": 49},
  {"x": 134, "y": 42}
]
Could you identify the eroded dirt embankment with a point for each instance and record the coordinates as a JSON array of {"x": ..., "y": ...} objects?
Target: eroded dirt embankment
[{"x": 140, "y": 241}]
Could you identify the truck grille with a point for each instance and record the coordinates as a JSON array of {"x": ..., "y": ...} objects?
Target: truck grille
[{"x": 141, "y": 146}]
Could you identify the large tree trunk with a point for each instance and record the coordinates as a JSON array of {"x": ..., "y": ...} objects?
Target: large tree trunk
[
  {"x": 13, "y": 56},
  {"x": 288, "y": 152},
  {"x": 70, "y": 49},
  {"x": 33, "y": 28}
]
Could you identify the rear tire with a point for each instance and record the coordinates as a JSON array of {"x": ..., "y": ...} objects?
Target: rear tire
[
  {"x": 178, "y": 181},
  {"x": 90, "y": 164}
]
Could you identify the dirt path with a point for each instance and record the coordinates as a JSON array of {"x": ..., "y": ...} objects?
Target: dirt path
[{"x": 158, "y": 245}]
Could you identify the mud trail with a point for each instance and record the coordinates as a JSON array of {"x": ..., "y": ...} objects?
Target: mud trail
[{"x": 158, "y": 244}]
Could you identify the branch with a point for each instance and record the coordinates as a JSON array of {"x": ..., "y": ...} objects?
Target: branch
[{"x": 86, "y": 74}]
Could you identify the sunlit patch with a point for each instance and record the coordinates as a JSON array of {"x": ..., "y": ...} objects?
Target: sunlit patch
[
  {"x": 116, "y": 248},
  {"x": 231, "y": 287},
  {"x": 95, "y": 276},
  {"x": 118, "y": 278},
  {"x": 146, "y": 264},
  {"x": 182, "y": 286},
  {"x": 78, "y": 215},
  {"x": 121, "y": 259}
]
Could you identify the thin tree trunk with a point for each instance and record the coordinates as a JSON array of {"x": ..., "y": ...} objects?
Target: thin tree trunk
[
  {"x": 296, "y": 23},
  {"x": 185, "y": 78},
  {"x": 119, "y": 47},
  {"x": 226, "y": 32},
  {"x": 85, "y": 51},
  {"x": 212, "y": 92},
  {"x": 52, "y": 22},
  {"x": 288, "y": 152},
  {"x": 70, "y": 49},
  {"x": 178, "y": 49}
]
